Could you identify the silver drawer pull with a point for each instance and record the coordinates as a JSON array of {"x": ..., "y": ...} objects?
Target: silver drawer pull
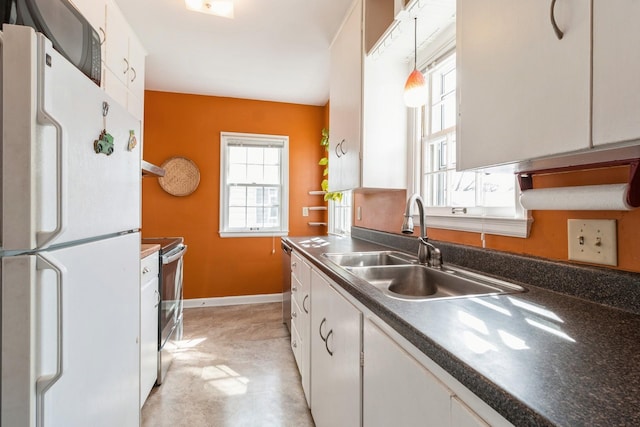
[{"x": 146, "y": 270}]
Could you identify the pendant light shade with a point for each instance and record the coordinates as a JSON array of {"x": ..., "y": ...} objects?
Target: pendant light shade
[{"x": 415, "y": 90}]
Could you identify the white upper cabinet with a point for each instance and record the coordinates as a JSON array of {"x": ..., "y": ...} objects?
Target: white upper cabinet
[
  {"x": 345, "y": 106},
  {"x": 523, "y": 93},
  {"x": 123, "y": 56},
  {"x": 616, "y": 71},
  {"x": 124, "y": 62},
  {"x": 367, "y": 141},
  {"x": 94, "y": 12}
]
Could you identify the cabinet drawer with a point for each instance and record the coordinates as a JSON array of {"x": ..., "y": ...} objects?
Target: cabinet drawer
[
  {"x": 300, "y": 270},
  {"x": 149, "y": 268},
  {"x": 296, "y": 346}
]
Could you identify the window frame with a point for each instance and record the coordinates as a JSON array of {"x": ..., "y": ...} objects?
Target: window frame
[
  {"x": 340, "y": 215},
  {"x": 228, "y": 139},
  {"x": 479, "y": 219}
]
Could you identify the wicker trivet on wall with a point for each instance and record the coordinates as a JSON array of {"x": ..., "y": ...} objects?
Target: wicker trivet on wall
[{"x": 181, "y": 177}]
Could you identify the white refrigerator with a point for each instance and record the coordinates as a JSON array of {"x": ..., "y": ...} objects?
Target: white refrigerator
[{"x": 70, "y": 244}]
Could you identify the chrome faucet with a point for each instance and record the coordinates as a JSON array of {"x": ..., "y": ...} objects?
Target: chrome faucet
[{"x": 427, "y": 253}]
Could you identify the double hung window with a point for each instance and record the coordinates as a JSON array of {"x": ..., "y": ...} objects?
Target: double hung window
[
  {"x": 465, "y": 200},
  {"x": 253, "y": 185}
]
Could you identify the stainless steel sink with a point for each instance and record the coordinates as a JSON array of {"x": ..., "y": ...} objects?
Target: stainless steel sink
[
  {"x": 399, "y": 276},
  {"x": 367, "y": 259}
]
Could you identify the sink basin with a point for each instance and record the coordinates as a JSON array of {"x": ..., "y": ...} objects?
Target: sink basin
[
  {"x": 367, "y": 259},
  {"x": 419, "y": 282}
]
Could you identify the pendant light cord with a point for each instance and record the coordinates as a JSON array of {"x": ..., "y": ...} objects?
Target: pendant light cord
[{"x": 415, "y": 43}]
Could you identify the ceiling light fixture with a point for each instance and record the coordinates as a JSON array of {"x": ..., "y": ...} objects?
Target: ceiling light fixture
[
  {"x": 222, "y": 8},
  {"x": 415, "y": 90}
]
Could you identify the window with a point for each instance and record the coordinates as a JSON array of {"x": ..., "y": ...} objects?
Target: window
[
  {"x": 340, "y": 214},
  {"x": 470, "y": 201},
  {"x": 253, "y": 185}
]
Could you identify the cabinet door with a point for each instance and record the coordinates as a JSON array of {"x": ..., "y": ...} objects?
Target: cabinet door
[
  {"x": 522, "y": 93},
  {"x": 396, "y": 389},
  {"x": 616, "y": 71},
  {"x": 117, "y": 43},
  {"x": 462, "y": 416},
  {"x": 94, "y": 12},
  {"x": 149, "y": 298},
  {"x": 345, "y": 104},
  {"x": 335, "y": 357},
  {"x": 136, "y": 70}
]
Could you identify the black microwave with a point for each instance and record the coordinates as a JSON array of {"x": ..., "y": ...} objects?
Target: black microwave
[{"x": 59, "y": 21}]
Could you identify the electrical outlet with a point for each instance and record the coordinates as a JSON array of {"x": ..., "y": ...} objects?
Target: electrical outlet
[
  {"x": 359, "y": 213},
  {"x": 305, "y": 211},
  {"x": 593, "y": 240}
]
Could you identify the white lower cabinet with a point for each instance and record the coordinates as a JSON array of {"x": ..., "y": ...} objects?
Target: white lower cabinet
[
  {"x": 149, "y": 299},
  {"x": 363, "y": 372},
  {"x": 396, "y": 389},
  {"x": 462, "y": 416},
  {"x": 301, "y": 320},
  {"x": 335, "y": 357}
]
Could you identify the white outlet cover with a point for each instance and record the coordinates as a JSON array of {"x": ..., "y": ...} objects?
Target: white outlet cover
[{"x": 593, "y": 241}]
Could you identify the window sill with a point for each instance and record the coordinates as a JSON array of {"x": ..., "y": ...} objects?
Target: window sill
[
  {"x": 225, "y": 234},
  {"x": 511, "y": 227}
]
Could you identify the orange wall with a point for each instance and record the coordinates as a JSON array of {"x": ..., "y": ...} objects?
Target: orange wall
[
  {"x": 190, "y": 126},
  {"x": 548, "y": 237}
]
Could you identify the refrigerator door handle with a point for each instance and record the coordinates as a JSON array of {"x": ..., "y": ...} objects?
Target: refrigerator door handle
[
  {"x": 44, "y": 237},
  {"x": 45, "y": 382}
]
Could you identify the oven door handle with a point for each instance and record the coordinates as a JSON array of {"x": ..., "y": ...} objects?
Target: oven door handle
[{"x": 174, "y": 255}]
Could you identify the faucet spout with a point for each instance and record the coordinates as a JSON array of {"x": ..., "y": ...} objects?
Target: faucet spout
[{"x": 427, "y": 253}]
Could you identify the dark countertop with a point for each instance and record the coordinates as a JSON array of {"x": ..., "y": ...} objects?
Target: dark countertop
[{"x": 538, "y": 358}]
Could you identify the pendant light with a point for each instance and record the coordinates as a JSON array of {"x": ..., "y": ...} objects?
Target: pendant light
[{"x": 415, "y": 90}]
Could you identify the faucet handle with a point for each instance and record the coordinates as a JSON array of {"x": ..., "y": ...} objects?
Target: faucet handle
[{"x": 435, "y": 260}]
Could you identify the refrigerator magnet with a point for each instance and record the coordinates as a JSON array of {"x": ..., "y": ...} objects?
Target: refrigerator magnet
[
  {"x": 132, "y": 140},
  {"x": 104, "y": 143}
]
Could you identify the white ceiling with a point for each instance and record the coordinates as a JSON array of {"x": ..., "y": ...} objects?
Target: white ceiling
[{"x": 274, "y": 50}]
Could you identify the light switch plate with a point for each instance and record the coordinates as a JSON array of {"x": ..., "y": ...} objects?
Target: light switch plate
[
  {"x": 305, "y": 211},
  {"x": 593, "y": 241}
]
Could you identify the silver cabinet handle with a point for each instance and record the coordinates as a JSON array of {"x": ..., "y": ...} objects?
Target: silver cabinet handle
[
  {"x": 126, "y": 63},
  {"x": 294, "y": 314},
  {"x": 155, "y": 291},
  {"x": 320, "y": 329},
  {"x": 342, "y": 152},
  {"x": 294, "y": 288},
  {"x": 326, "y": 343},
  {"x": 341, "y": 147},
  {"x": 558, "y": 31},
  {"x": 294, "y": 344},
  {"x": 145, "y": 270},
  {"x": 306, "y": 297},
  {"x": 134, "y": 74},
  {"x": 104, "y": 36},
  {"x": 294, "y": 264}
]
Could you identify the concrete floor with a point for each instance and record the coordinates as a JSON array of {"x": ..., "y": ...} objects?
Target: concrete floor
[{"x": 234, "y": 368}]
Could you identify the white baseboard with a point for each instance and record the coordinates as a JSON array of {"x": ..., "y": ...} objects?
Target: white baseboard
[{"x": 220, "y": 301}]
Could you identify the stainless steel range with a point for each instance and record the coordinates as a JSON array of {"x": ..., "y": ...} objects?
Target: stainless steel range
[{"x": 172, "y": 250}]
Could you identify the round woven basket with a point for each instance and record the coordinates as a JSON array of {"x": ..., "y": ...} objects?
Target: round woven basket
[{"x": 181, "y": 176}]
